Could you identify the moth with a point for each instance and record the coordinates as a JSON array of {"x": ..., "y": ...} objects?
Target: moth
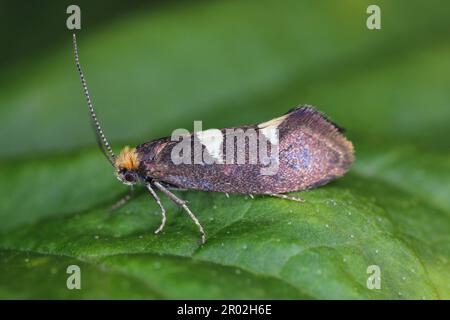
[{"x": 311, "y": 150}]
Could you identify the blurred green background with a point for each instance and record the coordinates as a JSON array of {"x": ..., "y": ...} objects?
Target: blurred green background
[{"x": 156, "y": 66}]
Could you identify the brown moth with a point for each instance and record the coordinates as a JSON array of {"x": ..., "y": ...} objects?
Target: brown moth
[{"x": 306, "y": 149}]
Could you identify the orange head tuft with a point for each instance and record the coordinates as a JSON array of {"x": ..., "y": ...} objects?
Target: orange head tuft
[{"x": 127, "y": 159}]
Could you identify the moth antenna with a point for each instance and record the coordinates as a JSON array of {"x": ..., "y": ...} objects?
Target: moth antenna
[{"x": 100, "y": 136}]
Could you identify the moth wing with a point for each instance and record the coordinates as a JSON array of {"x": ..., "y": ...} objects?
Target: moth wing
[{"x": 312, "y": 151}]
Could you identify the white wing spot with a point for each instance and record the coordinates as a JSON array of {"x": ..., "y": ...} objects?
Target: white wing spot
[
  {"x": 274, "y": 123},
  {"x": 212, "y": 140},
  {"x": 270, "y": 128},
  {"x": 271, "y": 134}
]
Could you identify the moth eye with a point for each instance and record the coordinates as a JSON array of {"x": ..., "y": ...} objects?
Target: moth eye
[{"x": 129, "y": 177}]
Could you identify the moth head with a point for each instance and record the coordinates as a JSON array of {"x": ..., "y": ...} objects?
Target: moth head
[{"x": 127, "y": 164}]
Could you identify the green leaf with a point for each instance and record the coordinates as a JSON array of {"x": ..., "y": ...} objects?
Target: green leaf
[{"x": 231, "y": 63}]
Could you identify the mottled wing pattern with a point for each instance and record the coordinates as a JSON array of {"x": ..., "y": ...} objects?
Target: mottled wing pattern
[{"x": 312, "y": 151}]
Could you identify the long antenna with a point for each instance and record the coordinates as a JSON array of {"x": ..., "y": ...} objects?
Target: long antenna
[{"x": 100, "y": 136}]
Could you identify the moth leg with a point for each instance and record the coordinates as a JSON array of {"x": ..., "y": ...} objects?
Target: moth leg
[
  {"x": 163, "y": 211},
  {"x": 172, "y": 187},
  {"x": 286, "y": 197},
  {"x": 176, "y": 189},
  {"x": 122, "y": 201},
  {"x": 182, "y": 204}
]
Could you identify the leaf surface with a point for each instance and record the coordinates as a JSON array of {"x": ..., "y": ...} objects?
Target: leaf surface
[{"x": 232, "y": 63}]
